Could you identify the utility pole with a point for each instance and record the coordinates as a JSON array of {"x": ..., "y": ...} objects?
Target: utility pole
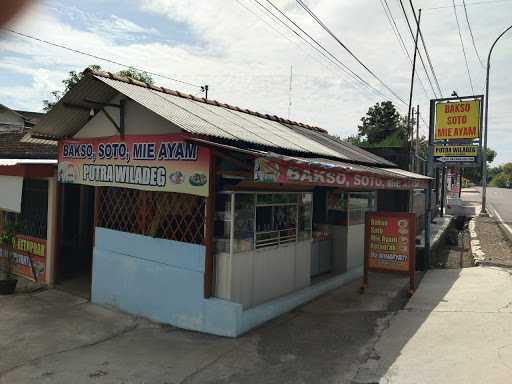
[
  {"x": 412, "y": 152},
  {"x": 409, "y": 127},
  {"x": 484, "y": 152},
  {"x": 417, "y": 137}
]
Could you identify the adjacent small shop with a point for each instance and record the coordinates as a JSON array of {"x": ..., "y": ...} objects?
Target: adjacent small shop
[
  {"x": 207, "y": 216},
  {"x": 27, "y": 202}
]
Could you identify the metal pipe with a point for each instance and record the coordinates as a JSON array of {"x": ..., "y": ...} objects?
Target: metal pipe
[{"x": 484, "y": 152}]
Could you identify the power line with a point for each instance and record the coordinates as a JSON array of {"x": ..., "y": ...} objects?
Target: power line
[
  {"x": 471, "y": 33},
  {"x": 322, "y": 49},
  {"x": 96, "y": 57},
  {"x": 336, "y": 62},
  {"x": 317, "y": 19},
  {"x": 462, "y": 44},
  {"x": 426, "y": 52},
  {"x": 294, "y": 41},
  {"x": 472, "y": 3},
  {"x": 419, "y": 53},
  {"x": 398, "y": 35}
]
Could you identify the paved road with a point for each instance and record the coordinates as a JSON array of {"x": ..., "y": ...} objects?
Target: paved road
[{"x": 500, "y": 199}]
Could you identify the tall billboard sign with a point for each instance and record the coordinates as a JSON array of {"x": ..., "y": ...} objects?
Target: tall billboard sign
[{"x": 456, "y": 131}]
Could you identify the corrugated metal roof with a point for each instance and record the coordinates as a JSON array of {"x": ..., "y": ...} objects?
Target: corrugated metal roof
[
  {"x": 32, "y": 140},
  {"x": 197, "y": 116},
  {"x": 211, "y": 120},
  {"x": 66, "y": 118},
  {"x": 351, "y": 152},
  {"x": 405, "y": 173}
]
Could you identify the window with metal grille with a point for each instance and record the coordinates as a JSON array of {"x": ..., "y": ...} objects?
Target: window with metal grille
[{"x": 166, "y": 215}]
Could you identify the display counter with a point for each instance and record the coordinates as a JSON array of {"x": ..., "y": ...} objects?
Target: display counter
[{"x": 263, "y": 245}]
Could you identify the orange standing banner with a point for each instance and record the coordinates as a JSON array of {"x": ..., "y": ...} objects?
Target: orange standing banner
[
  {"x": 390, "y": 244},
  {"x": 29, "y": 258}
]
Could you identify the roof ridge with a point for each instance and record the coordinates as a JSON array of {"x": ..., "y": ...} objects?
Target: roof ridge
[{"x": 168, "y": 91}]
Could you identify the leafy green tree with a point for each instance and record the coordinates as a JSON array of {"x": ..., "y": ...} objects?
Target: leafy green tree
[
  {"x": 74, "y": 77},
  {"x": 383, "y": 125},
  {"x": 137, "y": 75},
  {"x": 501, "y": 180},
  {"x": 475, "y": 174}
]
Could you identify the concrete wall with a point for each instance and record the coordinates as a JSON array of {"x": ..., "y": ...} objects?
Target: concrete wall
[
  {"x": 163, "y": 281},
  {"x": 158, "y": 279},
  {"x": 139, "y": 121}
]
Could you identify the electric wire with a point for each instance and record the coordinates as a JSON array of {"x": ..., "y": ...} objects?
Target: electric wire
[
  {"x": 296, "y": 43},
  {"x": 323, "y": 51},
  {"x": 472, "y": 3},
  {"x": 426, "y": 52},
  {"x": 462, "y": 45},
  {"x": 96, "y": 56},
  {"x": 398, "y": 35},
  {"x": 321, "y": 23},
  {"x": 419, "y": 53},
  {"x": 471, "y": 33}
]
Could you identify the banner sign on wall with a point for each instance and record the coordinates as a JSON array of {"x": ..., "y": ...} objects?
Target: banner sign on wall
[
  {"x": 151, "y": 163},
  {"x": 457, "y": 120},
  {"x": 29, "y": 258},
  {"x": 273, "y": 171},
  {"x": 390, "y": 244}
]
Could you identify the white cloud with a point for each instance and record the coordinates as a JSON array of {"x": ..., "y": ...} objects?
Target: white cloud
[{"x": 247, "y": 63}]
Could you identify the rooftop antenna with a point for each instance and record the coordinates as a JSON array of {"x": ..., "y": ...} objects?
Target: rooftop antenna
[
  {"x": 290, "y": 92},
  {"x": 204, "y": 88}
]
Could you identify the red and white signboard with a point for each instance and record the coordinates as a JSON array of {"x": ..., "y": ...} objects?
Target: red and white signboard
[
  {"x": 275, "y": 171},
  {"x": 390, "y": 244}
]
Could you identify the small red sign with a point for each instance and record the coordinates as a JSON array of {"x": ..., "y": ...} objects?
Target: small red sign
[
  {"x": 390, "y": 244},
  {"x": 29, "y": 258}
]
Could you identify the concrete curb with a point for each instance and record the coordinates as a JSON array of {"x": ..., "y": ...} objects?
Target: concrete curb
[{"x": 474, "y": 244}]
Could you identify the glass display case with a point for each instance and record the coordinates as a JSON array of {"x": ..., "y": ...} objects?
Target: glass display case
[
  {"x": 243, "y": 231},
  {"x": 245, "y": 221}
]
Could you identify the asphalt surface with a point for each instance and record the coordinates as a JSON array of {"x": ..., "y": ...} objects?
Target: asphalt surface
[{"x": 500, "y": 199}]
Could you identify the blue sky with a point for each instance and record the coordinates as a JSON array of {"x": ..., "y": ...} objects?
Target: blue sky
[{"x": 227, "y": 45}]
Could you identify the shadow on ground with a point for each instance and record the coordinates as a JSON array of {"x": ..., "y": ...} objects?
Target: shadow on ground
[{"x": 53, "y": 337}]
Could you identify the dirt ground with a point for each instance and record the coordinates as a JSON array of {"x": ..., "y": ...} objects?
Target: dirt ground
[{"x": 496, "y": 248}]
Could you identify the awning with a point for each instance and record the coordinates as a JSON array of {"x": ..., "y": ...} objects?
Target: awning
[
  {"x": 321, "y": 172},
  {"x": 274, "y": 168}
]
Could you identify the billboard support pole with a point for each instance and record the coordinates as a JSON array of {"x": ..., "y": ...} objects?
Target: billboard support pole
[{"x": 443, "y": 190}]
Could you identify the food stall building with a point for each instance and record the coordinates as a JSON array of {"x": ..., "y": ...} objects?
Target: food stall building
[{"x": 204, "y": 215}]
